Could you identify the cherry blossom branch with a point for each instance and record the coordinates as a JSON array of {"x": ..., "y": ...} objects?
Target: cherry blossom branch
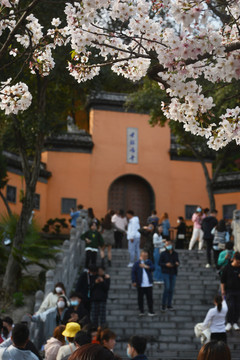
[
  {"x": 118, "y": 34},
  {"x": 19, "y": 23},
  {"x": 223, "y": 16}
]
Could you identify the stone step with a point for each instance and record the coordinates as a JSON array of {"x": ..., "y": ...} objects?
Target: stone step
[{"x": 170, "y": 335}]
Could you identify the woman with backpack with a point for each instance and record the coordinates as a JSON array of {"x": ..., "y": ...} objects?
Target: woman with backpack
[{"x": 221, "y": 237}]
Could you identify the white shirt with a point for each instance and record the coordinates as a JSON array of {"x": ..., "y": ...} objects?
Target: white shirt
[
  {"x": 216, "y": 319},
  {"x": 120, "y": 222},
  {"x": 133, "y": 227},
  {"x": 66, "y": 350},
  {"x": 12, "y": 352},
  {"x": 145, "y": 280},
  {"x": 50, "y": 301},
  {"x": 158, "y": 241}
]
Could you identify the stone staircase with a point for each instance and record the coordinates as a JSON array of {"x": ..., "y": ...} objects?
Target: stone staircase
[{"x": 170, "y": 335}]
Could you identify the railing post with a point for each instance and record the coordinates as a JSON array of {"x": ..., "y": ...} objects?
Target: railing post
[
  {"x": 68, "y": 262},
  {"x": 49, "y": 282},
  {"x": 236, "y": 229},
  {"x": 65, "y": 265},
  {"x": 38, "y": 300}
]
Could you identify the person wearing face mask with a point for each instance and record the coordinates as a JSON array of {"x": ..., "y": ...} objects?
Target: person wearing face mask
[
  {"x": 136, "y": 348},
  {"x": 53, "y": 344},
  {"x": 52, "y": 297},
  {"x": 181, "y": 233},
  {"x": 52, "y": 317},
  {"x": 72, "y": 328},
  {"x": 197, "y": 234},
  {"x": 169, "y": 263},
  {"x": 76, "y": 311},
  {"x": 159, "y": 246}
]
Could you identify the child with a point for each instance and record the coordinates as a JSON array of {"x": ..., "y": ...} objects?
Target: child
[{"x": 93, "y": 240}]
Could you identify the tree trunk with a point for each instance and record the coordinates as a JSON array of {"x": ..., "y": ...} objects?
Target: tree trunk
[
  {"x": 211, "y": 197},
  {"x": 31, "y": 173},
  {"x": 13, "y": 269},
  {"x": 6, "y": 203},
  {"x": 207, "y": 177},
  {"x": 12, "y": 275}
]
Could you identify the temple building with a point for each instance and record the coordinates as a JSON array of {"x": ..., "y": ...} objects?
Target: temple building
[{"x": 121, "y": 162}]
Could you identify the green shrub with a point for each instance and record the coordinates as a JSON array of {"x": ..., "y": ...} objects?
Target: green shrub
[
  {"x": 29, "y": 284},
  {"x": 55, "y": 226},
  {"x": 18, "y": 299},
  {"x": 34, "y": 250}
]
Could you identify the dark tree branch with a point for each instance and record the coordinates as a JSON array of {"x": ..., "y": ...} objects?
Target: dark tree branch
[
  {"x": 21, "y": 147},
  {"x": 206, "y": 174},
  {"x": 18, "y": 25},
  {"x": 6, "y": 203},
  {"x": 225, "y": 18}
]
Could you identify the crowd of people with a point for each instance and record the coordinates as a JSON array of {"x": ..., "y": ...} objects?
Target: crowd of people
[
  {"x": 75, "y": 327},
  {"x": 71, "y": 342},
  {"x": 159, "y": 261},
  {"x": 117, "y": 227}
]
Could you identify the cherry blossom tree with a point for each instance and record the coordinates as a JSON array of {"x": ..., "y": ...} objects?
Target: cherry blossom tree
[
  {"x": 202, "y": 43},
  {"x": 147, "y": 99},
  {"x": 134, "y": 39},
  {"x": 27, "y": 117},
  {"x": 3, "y": 181}
]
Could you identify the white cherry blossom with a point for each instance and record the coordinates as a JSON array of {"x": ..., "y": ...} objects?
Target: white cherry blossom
[
  {"x": 141, "y": 42},
  {"x": 14, "y": 98}
]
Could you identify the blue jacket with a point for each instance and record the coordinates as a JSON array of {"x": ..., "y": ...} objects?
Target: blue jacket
[
  {"x": 165, "y": 227},
  {"x": 74, "y": 216},
  {"x": 137, "y": 272}
]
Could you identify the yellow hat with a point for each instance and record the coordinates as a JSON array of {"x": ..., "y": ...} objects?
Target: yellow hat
[{"x": 71, "y": 329}]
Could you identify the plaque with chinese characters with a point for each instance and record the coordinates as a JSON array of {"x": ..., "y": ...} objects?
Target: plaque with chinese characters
[{"x": 132, "y": 145}]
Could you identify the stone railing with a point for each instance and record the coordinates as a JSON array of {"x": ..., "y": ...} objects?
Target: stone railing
[
  {"x": 236, "y": 229},
  {"x": 68, "y": 262}
]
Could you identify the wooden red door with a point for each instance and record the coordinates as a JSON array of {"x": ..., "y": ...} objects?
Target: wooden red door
[{"x": 132, "y": 192}]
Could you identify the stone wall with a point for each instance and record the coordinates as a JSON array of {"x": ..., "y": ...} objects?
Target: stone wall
[
  {"x": 68, "y": 262},
  {"x": 236, "y": 229}
]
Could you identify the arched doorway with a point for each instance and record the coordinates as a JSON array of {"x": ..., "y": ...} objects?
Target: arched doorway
[{"x": 132, "y": 192}]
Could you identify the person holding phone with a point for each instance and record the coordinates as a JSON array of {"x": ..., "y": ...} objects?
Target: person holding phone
[{"x": 169, "y": 263}]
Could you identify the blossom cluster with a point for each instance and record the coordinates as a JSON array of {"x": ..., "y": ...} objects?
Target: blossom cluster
[
  {"x": 194, "y": 48},
  {"x": 33, "y": 33},
  {"x": 42, "y": 61},
  {"x": 81, "y": 72},
  {"x": 9, "y": 4},
  {"x": 14, "y": 98},
  {"x": 134, "y": 37}
]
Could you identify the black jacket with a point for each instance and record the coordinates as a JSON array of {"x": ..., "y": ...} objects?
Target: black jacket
[
  {"x": 84, "y": 285},
  {"x": 181, "y": 228},
  {"x": 166, "y": 257},
  {"x": 81, "y": 311},
  {"x": 230, "y": 277},
  {"x": 208, "y": 224},
  {"x": 99, "y": 291}
]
